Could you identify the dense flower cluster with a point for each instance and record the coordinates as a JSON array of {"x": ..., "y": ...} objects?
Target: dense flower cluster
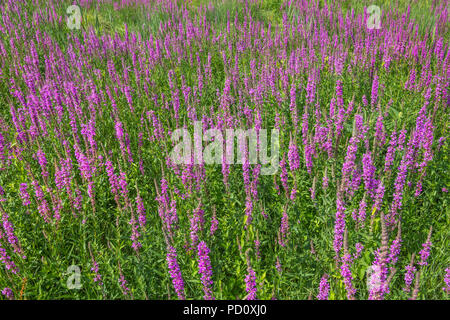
[
  {"x": 7, "y": 292},
  {"x": 447, "y": 281},
  {"x": 324, "y": 288},
  {"x": 250, "y": 285},
  {"x": 105, "y": 130},
  {"x": 205, "y": 270},
  {"x": 175, "y": 272}
]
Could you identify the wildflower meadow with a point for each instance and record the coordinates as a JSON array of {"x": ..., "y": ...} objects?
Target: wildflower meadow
[{"x": 224, "y": 149}]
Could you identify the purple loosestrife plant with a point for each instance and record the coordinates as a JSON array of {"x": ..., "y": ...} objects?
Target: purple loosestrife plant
[
  {"x": 250, "y": 284},
  {"x": 284, "y": 229},
  {"x": 447, "y": 281},
  {"x": 196, "y": 224},
  {"x": 141, "y": 212},
  {"x": 98, "y": 277},
  {"x": 278, "y": 265},
  {"x": 24, "y": 194},
  {"x": 409, "y": 277},
  {"x": 348, "y": 168},
  {"x": 293, "y": 157},
  {"x": 359, "y": 248},
  {"x": 390, "y": 154},
  {"x": 394, "y": 251},
  {"x": 284, "y": 174},
  {"x": 123, "y": 285},
  {"x": 175, "y": 272},
  {"x": 6, "y": 260},
  {"x": 374, "y": 95},
  {"x": 339, "y": 226},
  {"x": 205, "y": 270},
  {"x": 7, "y": 292},
  {"x": 136, "y": 245},
  {"x": 425, "y": 252},
  {"x": 214, "y": 224},
  {"x": 347, "y": 275},
  {"x": 43, "y": 163},
  {"x": 379, "y": 194},
  {"x": 380, "y": 137},
  {"x": 324, "y": 288},
  {"x": 369, "y": 173},
  {"x": 9, "y": 229}
]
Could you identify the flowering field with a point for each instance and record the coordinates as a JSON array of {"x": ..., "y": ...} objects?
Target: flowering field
[{"x": 105, "y": 191}]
